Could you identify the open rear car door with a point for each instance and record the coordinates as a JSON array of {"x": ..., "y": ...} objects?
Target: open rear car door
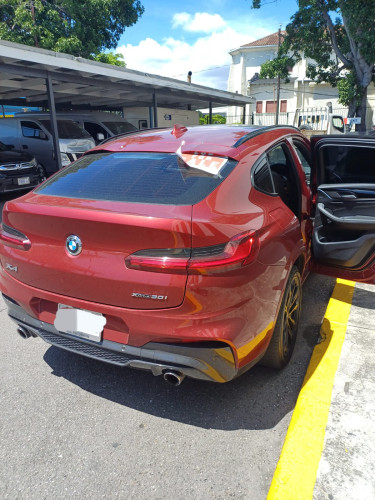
[{"x": 343, "y": 183}]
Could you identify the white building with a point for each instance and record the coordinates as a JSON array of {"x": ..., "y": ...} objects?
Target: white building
[{"x": 300, "y": 92}]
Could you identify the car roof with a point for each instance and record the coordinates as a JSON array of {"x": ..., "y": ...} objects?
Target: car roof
[
  {"x": 222, "y": 140},
  {"x": 35, "y": 116},
  {"x": 93, "y": 115}
]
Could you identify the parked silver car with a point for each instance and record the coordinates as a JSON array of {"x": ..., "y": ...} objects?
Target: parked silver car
[{"x": 32, "y": 133}]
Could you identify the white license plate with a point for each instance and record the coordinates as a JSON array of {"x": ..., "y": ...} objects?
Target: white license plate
[
  {"x": 85, "y": 324},
  {"x": 23, "y": 180}
]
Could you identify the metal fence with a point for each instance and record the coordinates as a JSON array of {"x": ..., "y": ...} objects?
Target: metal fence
[
  {"x": 266, "y": 119},
  {"x": 288, "y": 118}
]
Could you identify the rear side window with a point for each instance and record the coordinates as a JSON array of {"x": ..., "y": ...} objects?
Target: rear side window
[
  {"x": 262, "y": 178},
  {"x": 156, "y": 178},
  {"x": 347, "y": 164},
  {"x": 120, "y": 127},
  {"x": 94, "y": 129}
]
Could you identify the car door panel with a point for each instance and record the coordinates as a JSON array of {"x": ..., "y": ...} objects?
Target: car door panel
[
  {"x": 344, "y": 231},
  {"x": 343, "y": 186}
]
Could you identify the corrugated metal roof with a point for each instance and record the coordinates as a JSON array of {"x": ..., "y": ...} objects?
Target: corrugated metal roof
[{"x": 81, "y": 83}]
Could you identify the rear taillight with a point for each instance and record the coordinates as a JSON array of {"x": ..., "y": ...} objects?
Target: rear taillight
[
  {"x": 166, "y": 260},
  {"x": 238, "y": 252},
  {"x": 13, "y": 238}
]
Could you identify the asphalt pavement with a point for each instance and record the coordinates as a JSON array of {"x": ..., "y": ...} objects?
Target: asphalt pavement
[
  {"x": 78, "y": 428},
  {"x": 75, "y": 427}
]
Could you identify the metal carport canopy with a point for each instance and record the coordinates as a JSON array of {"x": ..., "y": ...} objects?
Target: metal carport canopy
[{"x": 83, "y": 84}]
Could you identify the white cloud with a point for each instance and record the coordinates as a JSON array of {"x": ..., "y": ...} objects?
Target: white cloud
[
  {"x": 175, "y": 57},
  {"x": 180, "y": 19},
  {"x": 200, "y": 22}
]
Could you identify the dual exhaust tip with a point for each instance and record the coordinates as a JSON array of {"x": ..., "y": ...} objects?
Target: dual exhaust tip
[
  {"x": 172, "y": 377},
  {"x": 25, "y": 333}
]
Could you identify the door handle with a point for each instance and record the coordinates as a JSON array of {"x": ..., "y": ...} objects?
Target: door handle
[
  {"x": 24, "y": 146},
  {"x": 355, "y": 223}
]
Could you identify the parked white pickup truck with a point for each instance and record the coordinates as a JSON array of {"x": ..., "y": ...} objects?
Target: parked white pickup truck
[{"x": 318, "y": 120}]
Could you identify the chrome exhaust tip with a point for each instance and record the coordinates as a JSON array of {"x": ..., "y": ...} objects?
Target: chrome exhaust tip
[
  {"x": 173, "y": 378},
  {"x": 23, "y": 332}
]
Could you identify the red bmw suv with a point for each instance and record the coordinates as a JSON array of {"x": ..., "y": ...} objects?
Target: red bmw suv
[{"x": 182, "y": 251}]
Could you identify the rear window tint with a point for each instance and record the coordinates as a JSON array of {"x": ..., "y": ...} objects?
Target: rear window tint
[
  {"x": 262, "y": 178},
  {"x": 135, "y": 177},
  {"x": 348, "y": 164}
]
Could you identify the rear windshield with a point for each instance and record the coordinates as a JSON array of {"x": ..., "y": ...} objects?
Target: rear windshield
[
  {"x": 67, "y": 129},
  {"x": 157, "y": 178},
  {"x": 119, "y": 127}
]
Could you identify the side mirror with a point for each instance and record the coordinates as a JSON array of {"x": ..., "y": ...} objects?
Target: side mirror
[
  {"x": 42, "y": 135},
  {"x": 100, "y": 136},
  {"x": 338, "y": 123}
]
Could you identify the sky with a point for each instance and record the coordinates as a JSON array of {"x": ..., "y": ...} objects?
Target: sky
[{"x": 172, "y": 37}]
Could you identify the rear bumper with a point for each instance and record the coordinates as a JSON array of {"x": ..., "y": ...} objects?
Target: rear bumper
[{"x": 212, "y": 361}]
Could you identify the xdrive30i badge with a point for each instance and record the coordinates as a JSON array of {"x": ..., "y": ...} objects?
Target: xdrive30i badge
[
  {"x": 73, "y": 245},
  {"x": 149, "y": 296}
]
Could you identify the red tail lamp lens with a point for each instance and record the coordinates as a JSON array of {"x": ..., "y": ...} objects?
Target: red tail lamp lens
[
  {"x": 165, "y": 260},
  {"x": 240, "y": 251},
  {"x": 13, "y": 238}
]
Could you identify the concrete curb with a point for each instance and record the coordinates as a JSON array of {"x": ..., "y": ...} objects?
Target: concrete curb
[{"x": 296, "y": 471}]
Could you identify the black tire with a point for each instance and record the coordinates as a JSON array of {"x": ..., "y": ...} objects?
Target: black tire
[
  {"x": 305, "y": 127},
  {"x": 284, "y": 336}
]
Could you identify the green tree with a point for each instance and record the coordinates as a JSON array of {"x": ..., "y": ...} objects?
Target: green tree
[
  {"x": 339, "y": 37},
  {"x": 84, "y": 29},
  {"x": 110, "y": 58},
  {"x": 216, "y": 119},
  {"x": 219, "y": 119}
]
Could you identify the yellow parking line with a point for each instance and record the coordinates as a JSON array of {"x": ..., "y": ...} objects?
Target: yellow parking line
[{"x": 295, "y": 474}]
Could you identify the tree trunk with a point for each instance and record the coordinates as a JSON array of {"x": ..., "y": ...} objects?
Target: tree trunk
[
  {"x": 352, "y": 109},
  {"x": 361, "y": 112}
]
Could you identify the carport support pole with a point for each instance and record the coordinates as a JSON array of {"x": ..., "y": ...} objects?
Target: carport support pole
[
  {"x": 210, "y": 112},
  {"x": 52, "y": 112},
  {"x": 155, "y": 106}
]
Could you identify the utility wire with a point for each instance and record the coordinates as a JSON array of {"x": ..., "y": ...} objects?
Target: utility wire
[{"x": 203, "y": 70}]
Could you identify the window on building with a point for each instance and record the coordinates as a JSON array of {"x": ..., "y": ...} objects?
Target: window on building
[
  {"x": 270, "y": 106},
  {"x": 259, "y": 107}
]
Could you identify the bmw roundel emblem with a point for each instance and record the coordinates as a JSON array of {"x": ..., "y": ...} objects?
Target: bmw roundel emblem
[{"x": 73, "y": 245}]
